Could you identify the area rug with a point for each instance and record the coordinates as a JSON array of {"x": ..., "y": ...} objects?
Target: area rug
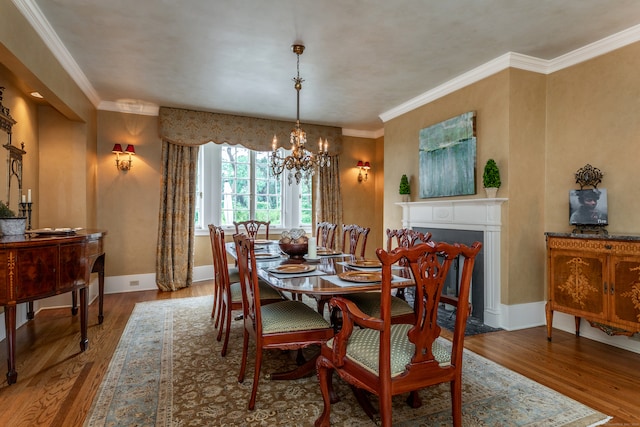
[{"x": 167, "y": 371}]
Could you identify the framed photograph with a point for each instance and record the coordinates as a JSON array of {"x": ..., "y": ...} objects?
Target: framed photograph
[
  {"x": 588, "y": 207},
  {"x": 447, "y": 153}
]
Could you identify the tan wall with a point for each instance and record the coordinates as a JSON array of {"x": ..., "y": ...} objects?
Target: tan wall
[
  {"x": 523, "y": 244},
  {"x": 128, "y": 202},
  {"x": 592, "y": 118},
  {"x": 359, "y": 198},
  {"x": 25, "y": 113}
]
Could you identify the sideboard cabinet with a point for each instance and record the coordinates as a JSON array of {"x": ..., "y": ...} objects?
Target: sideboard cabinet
[{"x": 597, "y": 278}]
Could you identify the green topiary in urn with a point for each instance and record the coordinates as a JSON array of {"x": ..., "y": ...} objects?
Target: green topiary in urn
[
  {"x": 491, "y": 178},
  {"x": 405, "y": 189},
  {"x": 10, "y": 224}
]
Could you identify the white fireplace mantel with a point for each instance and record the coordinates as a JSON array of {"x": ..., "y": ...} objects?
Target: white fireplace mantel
[{"x": 467, "y": 214}]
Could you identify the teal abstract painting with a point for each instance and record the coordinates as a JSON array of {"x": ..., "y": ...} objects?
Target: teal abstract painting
[{"x": 448, "y": 157}]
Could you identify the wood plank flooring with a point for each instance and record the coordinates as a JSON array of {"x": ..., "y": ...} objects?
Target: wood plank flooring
[{"x": 57, "y": 383}]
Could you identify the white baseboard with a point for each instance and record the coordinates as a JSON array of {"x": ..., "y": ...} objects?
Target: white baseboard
[
  {"x": 566, "y": 323},
  {"x": 522, "y": 316},
  {"x": 147, "y": 282}
]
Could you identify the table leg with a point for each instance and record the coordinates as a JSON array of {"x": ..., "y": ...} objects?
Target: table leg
[
  {"x": 84, "y": 308},
  {"x": 30, "y": 313},
  {"x": 98, "y": 267},
  {"x": 10, "y": 326},
  {"x": 74, "y": 303}
]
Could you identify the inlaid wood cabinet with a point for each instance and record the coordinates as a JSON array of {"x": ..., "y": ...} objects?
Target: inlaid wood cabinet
[{"x": 596, "y": 278}]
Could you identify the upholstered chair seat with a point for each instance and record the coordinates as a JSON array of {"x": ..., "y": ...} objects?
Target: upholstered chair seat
[
  {"x": 277, "y": 318},
  {"x": 369, "y": 303},
  {"x": 364, "y": 344}
]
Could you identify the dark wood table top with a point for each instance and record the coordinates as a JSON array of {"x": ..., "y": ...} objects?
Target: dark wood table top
[{"x": 322, "y": 279}]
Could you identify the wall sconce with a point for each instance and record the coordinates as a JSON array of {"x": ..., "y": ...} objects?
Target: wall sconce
[
  {"x": 366, "y": 166},
  {"x": 124, "y": 165}
]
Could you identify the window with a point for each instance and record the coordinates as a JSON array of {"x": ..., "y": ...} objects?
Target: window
[{"x": 235, "y": 184}]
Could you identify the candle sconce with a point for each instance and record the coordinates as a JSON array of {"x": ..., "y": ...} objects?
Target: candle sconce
[
  {"x": 25, "y": 212},
  {"x": 124, "y": 165}
]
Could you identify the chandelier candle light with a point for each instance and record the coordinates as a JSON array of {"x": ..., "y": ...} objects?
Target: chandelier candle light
[{"x": 301, "y": 163}]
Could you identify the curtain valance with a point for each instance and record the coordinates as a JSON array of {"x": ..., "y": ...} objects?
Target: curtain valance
[{"x": 189, "y": 127}]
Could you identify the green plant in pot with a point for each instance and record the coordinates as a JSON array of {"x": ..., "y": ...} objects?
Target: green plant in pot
[
  {"x": 491, "y": 178},
  {"x": 405, "y": 188},
  {"x": 10, "y": 224}
]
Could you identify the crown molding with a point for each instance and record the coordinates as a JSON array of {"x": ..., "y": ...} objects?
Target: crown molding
[
  {"x": 38, "y": 21},
  {"x": 141, "y": 108},
  {"x": 371, "y": 134},
  {"x": 598, "y": 48},
  {"x": 523, "y": 62}
]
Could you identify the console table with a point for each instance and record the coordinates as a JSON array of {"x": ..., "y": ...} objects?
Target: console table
[
  {"x": 39, "y": 266},
  {"x": 595, "y": 277}
]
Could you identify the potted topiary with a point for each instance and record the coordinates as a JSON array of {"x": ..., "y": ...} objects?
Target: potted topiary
[
  {"x": 405, "y": 189},
  {"x": 491, "y": 178},
  {"x": 10, "y": 224}
]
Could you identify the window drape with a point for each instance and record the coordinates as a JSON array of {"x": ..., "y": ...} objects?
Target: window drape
[
  {"x": 329, "y": 197},
  {"x": 182, "y": 132},
  {"x": 176, "y": 229}
]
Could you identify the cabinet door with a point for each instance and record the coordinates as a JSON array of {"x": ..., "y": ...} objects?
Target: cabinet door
[
  {"x": 72, "y": 266},
  {"x": 576, "y": 283},
  {"x": 36, "y": 272},
  {"x": 625, "y": 292}
]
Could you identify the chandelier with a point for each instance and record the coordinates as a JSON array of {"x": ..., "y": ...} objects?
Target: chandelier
[{"x": 301, "y": 163}]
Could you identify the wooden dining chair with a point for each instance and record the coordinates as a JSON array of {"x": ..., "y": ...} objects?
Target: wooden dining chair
[
  {"x": 253, "y": 228},
  {"x": 285, "y": 325},
  {"x": 404, "y": 238},
  {"x": 401, "y": 310},
  {"x": 326, "y": 234},
  {"x": 386, "y": 359},
  {"x": 227, "y": 292},
  {"x": 352, "y": 235}
]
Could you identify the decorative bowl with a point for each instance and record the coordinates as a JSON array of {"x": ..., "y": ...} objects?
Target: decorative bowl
[{"x": 294, "y": 250}]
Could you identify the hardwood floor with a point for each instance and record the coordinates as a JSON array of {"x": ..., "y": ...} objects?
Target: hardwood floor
[{"x": 56, "y": 382}]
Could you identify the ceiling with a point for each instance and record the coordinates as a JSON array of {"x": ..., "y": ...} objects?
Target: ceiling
[{"x": 363, "y": 58}]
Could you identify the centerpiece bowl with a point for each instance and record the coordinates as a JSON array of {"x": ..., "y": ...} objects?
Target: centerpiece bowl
[{"x": 294, "y": 250}]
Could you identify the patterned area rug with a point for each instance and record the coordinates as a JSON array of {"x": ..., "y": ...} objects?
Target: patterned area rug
[{"x": 167, "y": 371}]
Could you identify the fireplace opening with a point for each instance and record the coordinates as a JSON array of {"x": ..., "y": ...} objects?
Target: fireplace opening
[{"x": 466, "y": 237}]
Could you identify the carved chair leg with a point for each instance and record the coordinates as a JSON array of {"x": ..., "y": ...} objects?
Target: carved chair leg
[
  {"x": 324, "y": 371},
  {"x": 226, "y": 325},
  {"x": 456, "y": 401},
  {"x": 385, "y": 411},
  {"x": 245, "y": 350},
  {"x": 222, "y": 317},
  {"x": 256, "y": 379},
  {"x": 414, "y": 399}
]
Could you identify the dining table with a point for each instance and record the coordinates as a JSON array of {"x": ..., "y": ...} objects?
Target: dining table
[{"x": 332, "y": 273}]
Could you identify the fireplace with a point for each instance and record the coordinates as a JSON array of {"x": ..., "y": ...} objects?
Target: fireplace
[{"x": 466, "y": 221}]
